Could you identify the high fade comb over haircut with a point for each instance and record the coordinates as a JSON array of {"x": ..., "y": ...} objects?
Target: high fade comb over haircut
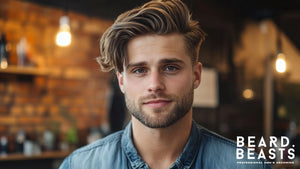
[{"x": 159, "y": 17}]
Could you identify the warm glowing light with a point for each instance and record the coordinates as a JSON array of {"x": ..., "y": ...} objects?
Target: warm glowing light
[
  {"x": 248, "y": 94},
  {"x": 280, "y": 63},
  {"x": 4, "y": 63},
  {"x": 63, "y": 37}
]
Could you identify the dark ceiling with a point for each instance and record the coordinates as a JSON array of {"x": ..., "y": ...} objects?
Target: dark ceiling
[{"x": 286, "y": 14}]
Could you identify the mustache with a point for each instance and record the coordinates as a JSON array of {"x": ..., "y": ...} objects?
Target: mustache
[{"x": 155, "y": 96}]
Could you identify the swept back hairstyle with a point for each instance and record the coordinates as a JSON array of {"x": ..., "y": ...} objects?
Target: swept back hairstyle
[{"x": 155, "y": 17}]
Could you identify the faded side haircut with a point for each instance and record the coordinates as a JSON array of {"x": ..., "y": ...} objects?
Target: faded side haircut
[{"x": 155, "y": 17}]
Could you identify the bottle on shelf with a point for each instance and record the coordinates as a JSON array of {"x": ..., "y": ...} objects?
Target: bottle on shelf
[
  {"x": 3, "y": 147},
  {"x": 20, "y": 139},
  {"x": 22, "y": 50},
  {"x": 3, "y": 52}
]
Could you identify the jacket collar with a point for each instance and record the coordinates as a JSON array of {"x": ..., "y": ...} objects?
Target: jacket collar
[{"x": 185, "y": 160}]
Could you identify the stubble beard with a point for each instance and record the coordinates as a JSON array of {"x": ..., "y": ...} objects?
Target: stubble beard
[{"x": 181, "y": 107}]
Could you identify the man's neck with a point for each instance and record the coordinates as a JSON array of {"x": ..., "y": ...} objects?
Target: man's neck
[{"x": 160, "y": 148}]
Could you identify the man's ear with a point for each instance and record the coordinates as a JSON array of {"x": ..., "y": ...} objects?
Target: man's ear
[
  {"x": 197, "y": 74},
  {"x": 120, "y": 81}
]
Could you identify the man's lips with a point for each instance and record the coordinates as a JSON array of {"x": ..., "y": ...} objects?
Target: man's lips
[{"x": 158, "y": 103}]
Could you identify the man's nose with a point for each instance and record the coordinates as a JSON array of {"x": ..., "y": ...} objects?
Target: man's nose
[{"x": 155, "y": 82}]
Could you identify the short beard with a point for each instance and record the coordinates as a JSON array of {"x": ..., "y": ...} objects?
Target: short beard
[{"x": 182, "y": 107}]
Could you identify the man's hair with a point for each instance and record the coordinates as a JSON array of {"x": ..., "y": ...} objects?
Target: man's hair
[{"x": 155, "y": 17}]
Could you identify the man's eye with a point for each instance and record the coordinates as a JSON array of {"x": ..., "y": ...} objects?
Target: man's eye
[
  {"x": 139, "y": 70},
  {"x": 171, "y": 68}
]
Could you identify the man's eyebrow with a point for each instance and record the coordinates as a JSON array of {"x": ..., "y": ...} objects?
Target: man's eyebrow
[
  {"x": 129, "y": 65},
  {"x": 173, "y": 60},
  {"x": 163, "y": 61}
]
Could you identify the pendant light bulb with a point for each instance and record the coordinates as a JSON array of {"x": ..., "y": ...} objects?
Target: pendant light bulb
[
  {"x": 280, "y": 63},
  {"x": 63, "y": 37}
]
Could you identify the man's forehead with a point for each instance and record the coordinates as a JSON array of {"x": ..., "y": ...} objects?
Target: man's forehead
[{"x": 156, "y": 49}]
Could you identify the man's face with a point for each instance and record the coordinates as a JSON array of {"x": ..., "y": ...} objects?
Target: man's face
[{"x": 159, "y": 79}]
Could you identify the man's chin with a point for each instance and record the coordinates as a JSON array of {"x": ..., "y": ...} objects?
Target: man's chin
[
  {"x": 156, "y": 124},
  {"x": 159, "y": 119}
]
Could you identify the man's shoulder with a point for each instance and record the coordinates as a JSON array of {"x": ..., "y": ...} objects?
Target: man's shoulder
[
  {"x": 217, "y": 151},
  {"x": 99, "y": 154},
  {"x": 212, "y": 138},
  {"x": 222, "y": 144},
  {"x": 112, "y": 140}
]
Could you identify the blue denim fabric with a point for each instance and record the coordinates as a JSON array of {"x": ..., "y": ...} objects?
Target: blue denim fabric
[{"x": 204, "y": 150}]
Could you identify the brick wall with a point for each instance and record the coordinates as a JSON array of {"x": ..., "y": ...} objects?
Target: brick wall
[{"x": 74, "y": 87}]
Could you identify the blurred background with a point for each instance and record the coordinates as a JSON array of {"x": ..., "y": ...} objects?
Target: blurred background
[{"x": 54, "y": 97}]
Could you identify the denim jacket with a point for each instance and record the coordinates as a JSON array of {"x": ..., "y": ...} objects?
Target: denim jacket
[{"x": 204, "y": 150}]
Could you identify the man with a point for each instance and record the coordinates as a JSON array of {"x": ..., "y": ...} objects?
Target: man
[{"x": 154, "y": 51}]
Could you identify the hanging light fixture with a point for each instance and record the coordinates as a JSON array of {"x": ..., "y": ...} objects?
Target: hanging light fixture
[
  {"x": 63, "y": 37},
  {"x": 280, "y": 63}
]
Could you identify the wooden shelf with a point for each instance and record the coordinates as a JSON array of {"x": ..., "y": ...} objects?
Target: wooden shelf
[
  {"x": 44, "y": 155},
  {"x": 25, "y": 71}
]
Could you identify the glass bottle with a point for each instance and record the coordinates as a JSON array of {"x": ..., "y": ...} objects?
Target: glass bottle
[{"x": 3, "y": 52}]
